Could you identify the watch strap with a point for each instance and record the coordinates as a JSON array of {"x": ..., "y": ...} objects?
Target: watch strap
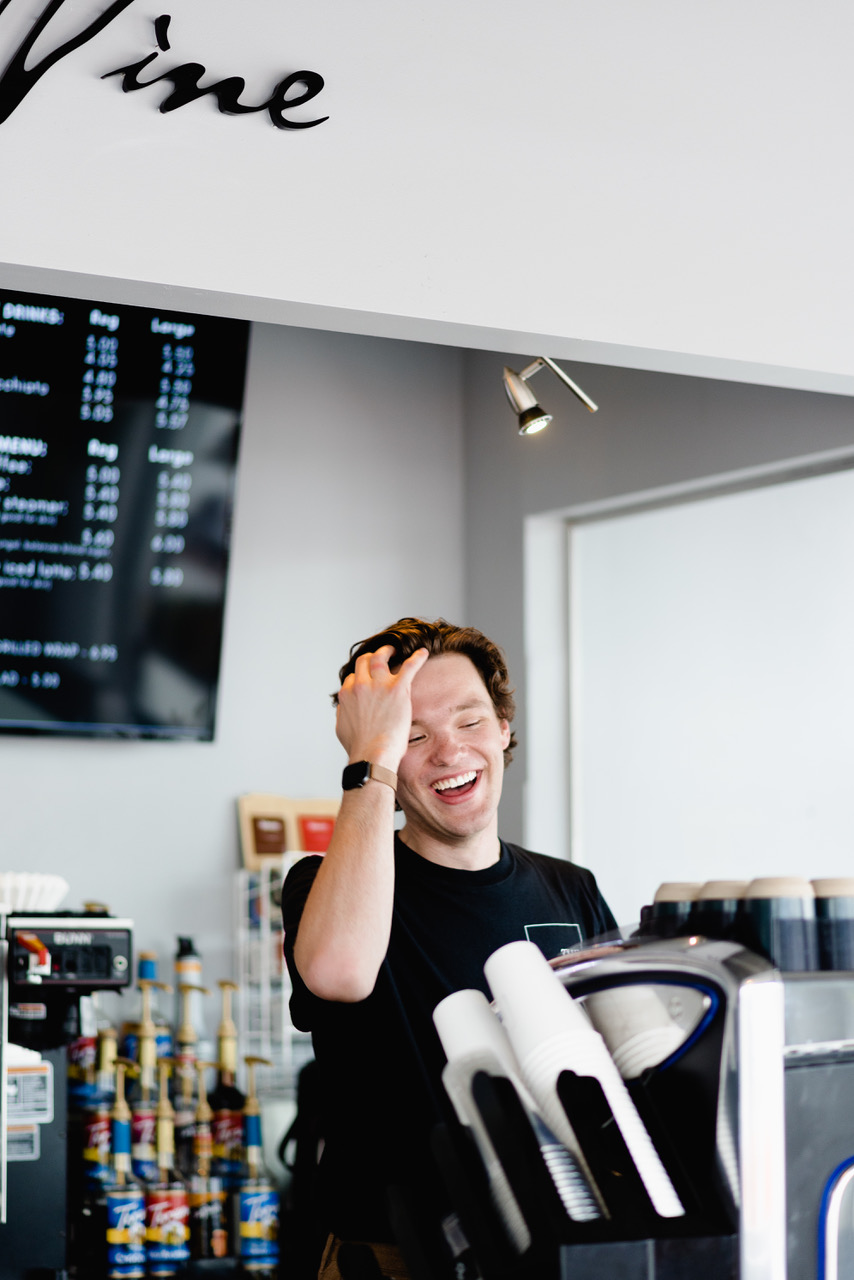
[{"x": 356, "y": 775}]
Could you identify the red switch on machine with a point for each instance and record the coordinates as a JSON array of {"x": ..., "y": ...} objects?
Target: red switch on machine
[{"x": 33, "y": 943}]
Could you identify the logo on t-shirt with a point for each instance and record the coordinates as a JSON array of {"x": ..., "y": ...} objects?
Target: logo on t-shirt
[{"x": 554, "y": 939}]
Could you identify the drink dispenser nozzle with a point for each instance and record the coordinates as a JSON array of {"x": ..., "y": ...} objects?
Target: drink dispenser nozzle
[
  {"x": 252, "y": 1108},
  {"x": 120, "y": 1122},
  {"x": 204, "y": 1118},
  {"x": 187, "y": 1035},
  {"x": 148, "y": 1036},
  {"x": 186, "y": 1041},
  {"x": 227, "y": 1031},
  {"x": 107, "y": 1054}
]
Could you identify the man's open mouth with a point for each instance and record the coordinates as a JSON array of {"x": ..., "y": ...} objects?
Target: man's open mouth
[{"x": 457, "y": 785}]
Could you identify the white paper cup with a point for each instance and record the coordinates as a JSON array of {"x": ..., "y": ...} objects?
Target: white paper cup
[
  {"x": 531, "y": 999},
  {"x": 466, "y": 1024},
  {"x": 647, "y": 1049},
  {"x": 618, "y": 1013}
]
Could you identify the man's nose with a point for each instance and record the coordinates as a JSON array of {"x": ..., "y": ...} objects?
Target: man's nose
[{"x": 446, "y": 746}]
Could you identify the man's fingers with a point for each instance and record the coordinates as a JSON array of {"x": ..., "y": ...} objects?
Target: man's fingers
[
  {"x": 413, "y": 664},
  {"x": 374, "y": 666},
  {"x": 378, "y": 661}
]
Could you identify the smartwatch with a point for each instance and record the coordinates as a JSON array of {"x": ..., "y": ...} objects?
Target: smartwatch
[{"x": 356, "y": 775}]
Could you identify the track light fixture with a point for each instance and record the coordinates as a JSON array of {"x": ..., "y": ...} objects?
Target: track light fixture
[{"x": 531, "y": 417}]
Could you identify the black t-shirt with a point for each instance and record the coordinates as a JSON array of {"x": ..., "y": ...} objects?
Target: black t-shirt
[{"x": 380, "y": 1060}]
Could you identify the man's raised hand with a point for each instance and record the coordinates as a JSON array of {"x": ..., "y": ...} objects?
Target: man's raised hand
[{"x": 375, "y": 707}]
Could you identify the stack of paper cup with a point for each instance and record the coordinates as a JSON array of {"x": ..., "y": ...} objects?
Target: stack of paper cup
[
  {"x": 474, "y": 1040},
  {"x": 550, "y": 1034},
  {"x": 471, "y": 1044},
  {"x": 635, "y": 1026}
]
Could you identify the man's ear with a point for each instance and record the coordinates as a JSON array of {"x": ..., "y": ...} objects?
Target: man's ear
[{"x": 505, "y": 734}]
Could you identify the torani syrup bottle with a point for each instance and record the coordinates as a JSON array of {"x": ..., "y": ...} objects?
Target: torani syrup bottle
[
  {"x": 257, "y": 1200},
  {"x": 226, "y": 1099},
  {"x": 125, "y": 1200},
  {"x": 184, "y": 1092},
  {"x": 208, "y": 1225},
  {"x": 167, "y": 1208},
  {"x": 97, "y": 1116},
  {"x": 88, "y": 1174},
  {"x": 144, "y": 1118}
]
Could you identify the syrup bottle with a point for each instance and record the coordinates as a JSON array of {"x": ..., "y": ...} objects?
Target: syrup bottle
[
  {"x": 167, "y": 1207},
  {"x": 257, "y": 1199},
  {"x": 144, "y": 1112},
  {"x": 96, "y": 1120},
  {"x": 226, "y": 1099},
  {"x": 151, "y": 1043},
  {"x": 124, "y": 1197},
  {"x": 208, "y": 1224},
  {"x": 186, "y": 1055}
]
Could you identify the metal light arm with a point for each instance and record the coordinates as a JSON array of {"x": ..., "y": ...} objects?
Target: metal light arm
[{"x": 540, "y": 362}]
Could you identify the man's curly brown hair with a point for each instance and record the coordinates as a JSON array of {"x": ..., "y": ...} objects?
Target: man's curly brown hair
[{"x": 409, "y": 634}]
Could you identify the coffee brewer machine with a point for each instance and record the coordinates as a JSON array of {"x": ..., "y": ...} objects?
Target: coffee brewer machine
[
  {"x": 49, "y": 960},
  {"x": 748, "y": 1100}
]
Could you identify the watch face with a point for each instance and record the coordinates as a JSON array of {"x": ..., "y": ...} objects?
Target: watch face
[{"x": 356, "y": 775}]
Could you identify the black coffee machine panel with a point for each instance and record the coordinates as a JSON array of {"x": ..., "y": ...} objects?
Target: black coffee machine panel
[
  {"x": 55, "y": 959},
  {"x": 49, "y": 960}
]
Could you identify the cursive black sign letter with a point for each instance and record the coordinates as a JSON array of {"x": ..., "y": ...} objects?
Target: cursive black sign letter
[
  {"x": 17, "y": 80},
  {"x": 186, "y": 88}
]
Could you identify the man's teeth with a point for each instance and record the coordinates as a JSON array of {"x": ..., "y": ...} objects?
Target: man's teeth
[{"x": 460, "y": 781}]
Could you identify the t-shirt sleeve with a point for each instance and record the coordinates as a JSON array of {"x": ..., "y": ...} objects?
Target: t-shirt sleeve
[
  {"x": 601, "y": 917},
  {"x": 295, "y": 891}
]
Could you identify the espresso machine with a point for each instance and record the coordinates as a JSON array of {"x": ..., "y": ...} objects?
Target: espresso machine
[
  {"x": 747, "y": 1102},
  {"x": 49, "y": 960}
]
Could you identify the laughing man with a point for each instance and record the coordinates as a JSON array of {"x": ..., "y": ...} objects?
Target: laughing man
[{"x": 387, "y": 923}]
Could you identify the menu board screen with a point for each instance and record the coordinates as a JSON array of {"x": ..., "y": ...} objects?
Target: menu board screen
[{"x": 119, "y": 430}]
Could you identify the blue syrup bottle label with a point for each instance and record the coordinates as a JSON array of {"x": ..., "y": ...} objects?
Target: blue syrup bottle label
[
  {"x": 259, "y": 1227},
  {"x": 125, "y": 1232}
]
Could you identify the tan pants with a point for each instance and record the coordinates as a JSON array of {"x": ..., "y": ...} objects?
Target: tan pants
[{"x": 390, "y": 1260}]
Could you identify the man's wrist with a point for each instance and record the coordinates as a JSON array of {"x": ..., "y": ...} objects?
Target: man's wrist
[{"x": 360, "y": 772}]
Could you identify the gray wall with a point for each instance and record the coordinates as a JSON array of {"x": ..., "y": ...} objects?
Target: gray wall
[{"x": 651, "y": 430}]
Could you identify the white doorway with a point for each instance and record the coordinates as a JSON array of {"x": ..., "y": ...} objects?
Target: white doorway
[{"x": 711, "y": 689}]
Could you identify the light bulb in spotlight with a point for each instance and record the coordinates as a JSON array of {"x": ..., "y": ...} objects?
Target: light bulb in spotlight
[
  {"x": 533, "y": 420},
  {"x": 532, "y": 417}
]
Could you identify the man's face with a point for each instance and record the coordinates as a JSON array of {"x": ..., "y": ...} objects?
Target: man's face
[{"x": 449, "y": 781}]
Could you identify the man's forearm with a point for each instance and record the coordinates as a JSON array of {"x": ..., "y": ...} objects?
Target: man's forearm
[{"x": 344, "y": 931}]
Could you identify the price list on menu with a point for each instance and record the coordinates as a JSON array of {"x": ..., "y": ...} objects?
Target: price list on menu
[{"x": 119, "y": 429}]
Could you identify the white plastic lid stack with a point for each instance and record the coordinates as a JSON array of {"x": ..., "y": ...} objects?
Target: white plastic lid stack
[
  {"x": 474, "y": 1040},
  {"x": 471, "y": 1045},
  {"x": 550, "y": 1033}
]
